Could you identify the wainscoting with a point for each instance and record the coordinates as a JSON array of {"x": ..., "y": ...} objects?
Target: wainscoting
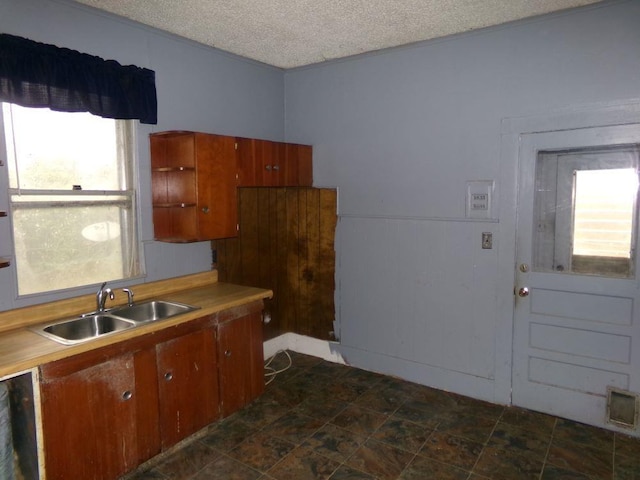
[{"x": 286, "y": 243}]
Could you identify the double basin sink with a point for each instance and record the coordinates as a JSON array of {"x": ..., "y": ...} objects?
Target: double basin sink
[{"x": 90, "y": 326}]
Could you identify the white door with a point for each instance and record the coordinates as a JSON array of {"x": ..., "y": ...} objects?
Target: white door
[{"x": 576, "y": 321}]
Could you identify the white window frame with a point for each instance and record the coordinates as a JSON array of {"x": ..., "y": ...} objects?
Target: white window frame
[{"x": 131, "y": 238}]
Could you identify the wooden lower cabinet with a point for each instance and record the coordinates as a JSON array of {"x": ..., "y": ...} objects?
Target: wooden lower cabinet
[
  {"x": 241, "y": 361},
  {"x": 188, "y": 383},
  {"x": 106, "y": 411},
  {"x": 89, "y": 420}
]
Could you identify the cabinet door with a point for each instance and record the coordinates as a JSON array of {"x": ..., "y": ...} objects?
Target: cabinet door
[
  {"x": 241, "y": 361},
  {"x": 299, "y": 168},
  {"x": 216, "y": 169},
  {"x": 260, "y": 163},
  {"x": 89, "y": 421},
  {"x": 188, "y": 387}
]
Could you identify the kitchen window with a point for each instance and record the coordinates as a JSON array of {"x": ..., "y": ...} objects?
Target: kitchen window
[{"x": 72, "y": 198}]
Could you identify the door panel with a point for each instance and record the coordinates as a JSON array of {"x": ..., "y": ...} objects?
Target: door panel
[
  {"x": 89, "y": 421},
  {"x": 187, "y": 384},
  {"x": 575, "y": 328},
  {"x": 240, "y": 361}
]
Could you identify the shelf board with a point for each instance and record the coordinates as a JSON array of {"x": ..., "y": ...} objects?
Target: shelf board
[
  {"x": 178, "y": 239},
  {"x": 173, "y": 169},
  {"x": 173, "y": 205}
]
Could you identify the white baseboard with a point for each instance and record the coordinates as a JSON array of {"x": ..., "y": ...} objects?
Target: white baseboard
[
  {"x": 302, "y": 344},
  {"x": 464, "y": 384}
]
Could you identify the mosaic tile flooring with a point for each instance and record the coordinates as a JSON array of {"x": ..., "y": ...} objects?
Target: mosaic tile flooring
[{"x": 320, "y": 420}]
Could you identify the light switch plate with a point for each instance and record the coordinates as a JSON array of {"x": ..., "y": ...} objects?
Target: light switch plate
[{"x": 487, "y": 240}]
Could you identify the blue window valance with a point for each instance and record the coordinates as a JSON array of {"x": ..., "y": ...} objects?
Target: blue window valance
[{"x": 34, "y": 74}]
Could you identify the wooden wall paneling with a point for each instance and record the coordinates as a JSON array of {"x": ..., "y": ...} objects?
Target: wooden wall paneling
[
  {"x": 228, "y": 259},
  {"x": 263, "y": 232},
  {"x": 279, "y": 257},
  {"x": 288, "y": 322},
  {"x": 264, "y": 237},
  {"x": 324, "y": 312},
  {"x": 249, "y": 245},
  {"x": 304, "y": 274},
  {"x": 309, "y": 296},
  {"x": 269, "y": 246},
  {"x": 219, "y": 259},
  {"x": 286, "y": 243}
]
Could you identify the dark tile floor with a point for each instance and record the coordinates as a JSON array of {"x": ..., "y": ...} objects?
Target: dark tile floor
[{"x": 320, "y": 420}]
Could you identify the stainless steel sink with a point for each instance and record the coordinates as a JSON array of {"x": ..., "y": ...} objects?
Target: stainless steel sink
[
  {"x": 82, "y": 329},
  {"x": 152, "y": 310},
  {"x": 93, "y": 325}
]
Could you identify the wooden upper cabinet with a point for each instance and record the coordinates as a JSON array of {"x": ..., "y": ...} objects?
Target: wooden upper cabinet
[
  {"x": 298, "y": 158},
  {"x": 263, "y": 163},
  {"x": 194, "y": 184}
]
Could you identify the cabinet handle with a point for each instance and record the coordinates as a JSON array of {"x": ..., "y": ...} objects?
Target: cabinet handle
[
  {"x": 276, "y": 167},
  {"x": 205, "y": 209},
  {"x": 227, "y": 353},
  {"x": 168, "y": 376},
  {"x": 267, "y": 167},
  {"x": 127, "y": 395}
]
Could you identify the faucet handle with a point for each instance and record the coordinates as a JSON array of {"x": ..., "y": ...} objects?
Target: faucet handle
[{"x": 129, "y": 293}]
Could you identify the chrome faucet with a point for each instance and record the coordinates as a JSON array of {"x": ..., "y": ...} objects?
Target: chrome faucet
[
  {"x": 101, "y": 297},
  {"x": 129, "y": 293}
]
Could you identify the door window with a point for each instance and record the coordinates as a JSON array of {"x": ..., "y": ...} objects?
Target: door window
[{"x": 586, "y": 211}]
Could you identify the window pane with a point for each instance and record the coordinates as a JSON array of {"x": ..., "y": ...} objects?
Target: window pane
[
  {"x": 603, "y": 221},
  {"x": 62, "y": 247},
  {"x": 54, "y": 151},
  {"x": 585, "y": 211},
  {"x": 67, "y": 236}
]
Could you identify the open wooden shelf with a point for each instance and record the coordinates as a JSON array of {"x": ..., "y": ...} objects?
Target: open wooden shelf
[
  {"x": 173, "y": 169},
  {"x": 173, "y": 205}
]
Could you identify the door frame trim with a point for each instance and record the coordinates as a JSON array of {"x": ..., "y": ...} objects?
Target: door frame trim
[{"x": 506, "y": 195}]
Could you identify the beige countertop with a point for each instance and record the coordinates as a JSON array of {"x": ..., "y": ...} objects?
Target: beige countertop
[{"x": 22, "y": 349}]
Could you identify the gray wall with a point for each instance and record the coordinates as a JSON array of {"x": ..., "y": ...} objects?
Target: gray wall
[
  {"x": 198, "y": 89},
  {"x": 400, "y": 133}
]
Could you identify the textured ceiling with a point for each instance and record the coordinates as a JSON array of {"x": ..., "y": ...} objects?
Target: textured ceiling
[{"x": 291, "y": 33}]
